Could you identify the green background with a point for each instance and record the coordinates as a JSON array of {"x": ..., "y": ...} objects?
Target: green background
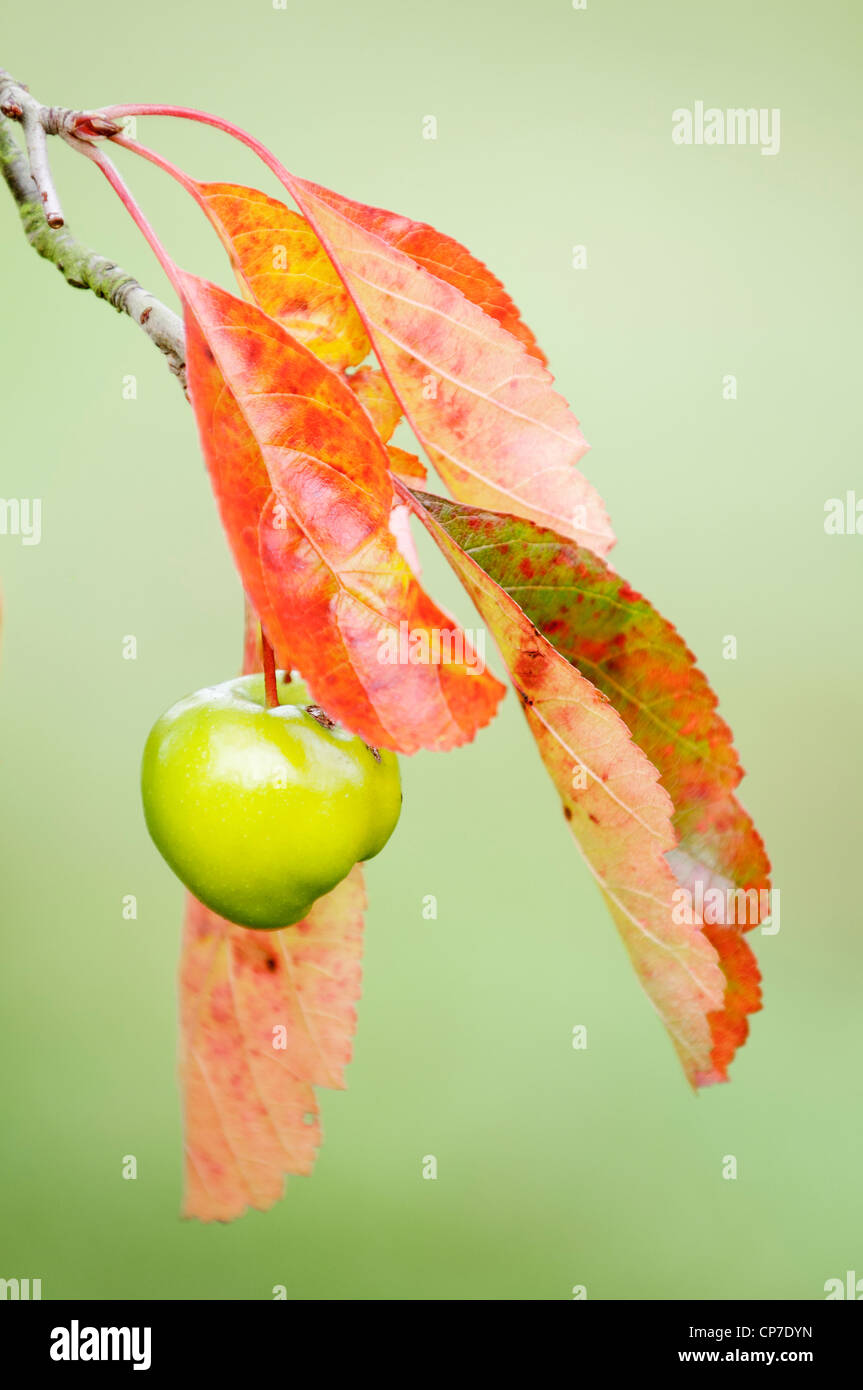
[{"x": 556, "y": 1167}]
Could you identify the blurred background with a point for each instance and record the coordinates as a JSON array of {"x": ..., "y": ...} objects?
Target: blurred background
[{"x": 556, "y": 1167}]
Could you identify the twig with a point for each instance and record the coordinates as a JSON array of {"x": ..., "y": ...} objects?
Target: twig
[
  {"x": 17, "y": 103},
  {"x": 33, "y": 191}
]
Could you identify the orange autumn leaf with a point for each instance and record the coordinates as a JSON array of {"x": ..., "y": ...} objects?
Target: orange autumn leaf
[
  {"x": 252, "y": 648},
  {"x": 406, "y": 466},
  {"x": 264, "y": 1018},
  {"x": 281, "y": 266},
  {"x": 372, "y": 389},
  {"x": 305, "y": 496}
]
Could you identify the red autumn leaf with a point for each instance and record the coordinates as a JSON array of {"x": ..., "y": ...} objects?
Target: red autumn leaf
[
  {"x": 617, "y": 811},
  {"x": 305, "y": 496},
  {"x": 466, "y": 371},
  {"x": 264, "y": 1018},
  {"x": 730, "y": 1024},
  {"x": 446, "y": 259},
  {"x": 640, "y": 663}
]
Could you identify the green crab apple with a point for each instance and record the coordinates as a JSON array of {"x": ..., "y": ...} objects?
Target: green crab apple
[{"x": 262, "y": 811}]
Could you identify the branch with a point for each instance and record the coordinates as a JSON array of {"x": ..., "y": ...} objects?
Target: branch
[{"x": 33, "y": 191}]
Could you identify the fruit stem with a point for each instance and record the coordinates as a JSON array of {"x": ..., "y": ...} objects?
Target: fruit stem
[{"x": 270, "y": 687}]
